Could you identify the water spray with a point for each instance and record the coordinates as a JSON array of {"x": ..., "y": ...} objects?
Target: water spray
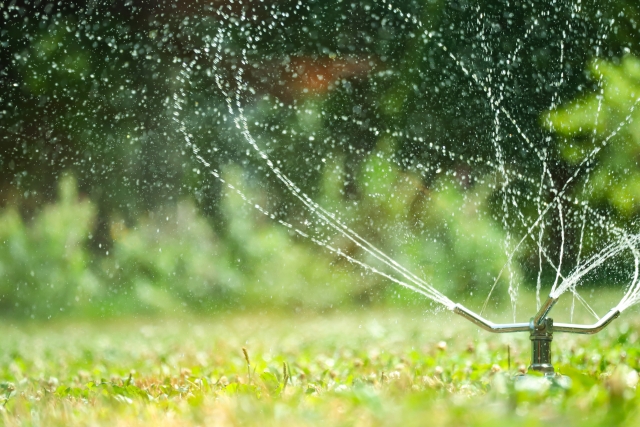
[
  {"x": 552, "y": 193},
  {"x": 541, "y": 329}
]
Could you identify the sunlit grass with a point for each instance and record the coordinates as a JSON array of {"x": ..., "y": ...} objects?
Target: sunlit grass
[{"x": 358, "y": 368}]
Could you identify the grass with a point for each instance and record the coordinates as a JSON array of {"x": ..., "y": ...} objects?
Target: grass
[{"x": 382, "y": 367}]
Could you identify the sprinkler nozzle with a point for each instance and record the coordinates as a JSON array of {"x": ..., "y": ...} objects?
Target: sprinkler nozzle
[{"x": 544, "y": 310}]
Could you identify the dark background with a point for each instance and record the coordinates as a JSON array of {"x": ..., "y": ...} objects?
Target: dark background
[{"x": 92, "y": 160}]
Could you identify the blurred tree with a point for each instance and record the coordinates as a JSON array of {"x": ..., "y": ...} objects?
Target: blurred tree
[
  {"x": 44, "y": 266},
  {"x": 90, "y": 87},
  {"x": 602, "y": 131}
]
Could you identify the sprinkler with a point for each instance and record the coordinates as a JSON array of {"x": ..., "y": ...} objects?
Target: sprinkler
[{"x": 541, "y": 329}]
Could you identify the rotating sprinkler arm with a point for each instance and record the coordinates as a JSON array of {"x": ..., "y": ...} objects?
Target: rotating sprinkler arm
[
  {"x": 487, "y": 325},
  {"x": 524, "y": 327},
  {"x": 588, "y": 329},
  {"x": 541, "y": 329},
  {"x": 572, "y": 328}
]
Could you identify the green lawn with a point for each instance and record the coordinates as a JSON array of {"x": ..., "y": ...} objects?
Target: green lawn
[{"x": 382, "y": 367}]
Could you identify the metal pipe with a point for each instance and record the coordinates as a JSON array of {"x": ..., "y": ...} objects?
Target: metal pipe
[
  {"x": 486, "y": 324},
  {"x": 523, "y": 327},
  {"x": 541, "y": 337},
  {"x": 544, "y": 310},
  {"x": 588, "y": 329}
]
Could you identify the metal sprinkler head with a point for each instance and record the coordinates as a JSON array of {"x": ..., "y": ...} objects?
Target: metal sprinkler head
[
  {"x": 541, "y": 329},
  {"x": 541, "y": 336}
]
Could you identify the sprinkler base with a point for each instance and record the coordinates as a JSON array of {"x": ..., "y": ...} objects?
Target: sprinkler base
[
  {"x": 527, "y": 382},
  {"x": 541, "y": 336}
]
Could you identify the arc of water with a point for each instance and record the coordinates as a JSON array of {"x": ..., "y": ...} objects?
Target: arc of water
[
  {"x": 596, "y": 260},
  {"x": 559, "y": 269},
  {"x": 557, "y": 200},
  {"x": 584, "y": 222},
  {"x": 495, "y": 104},
  {"x": 426, "y": 292},
  {"x": 543, "y": 253},
  {"x": 540, "y": 236},
  {"x": 634, "y": 287},
  {"x": 326, "y": 217},
  {"x": 559, "y": 195}
]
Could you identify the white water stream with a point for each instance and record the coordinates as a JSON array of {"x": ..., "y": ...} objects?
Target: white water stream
[
  {"x": 485, "y": 137},
  {"x": 552, "y": 198}
]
